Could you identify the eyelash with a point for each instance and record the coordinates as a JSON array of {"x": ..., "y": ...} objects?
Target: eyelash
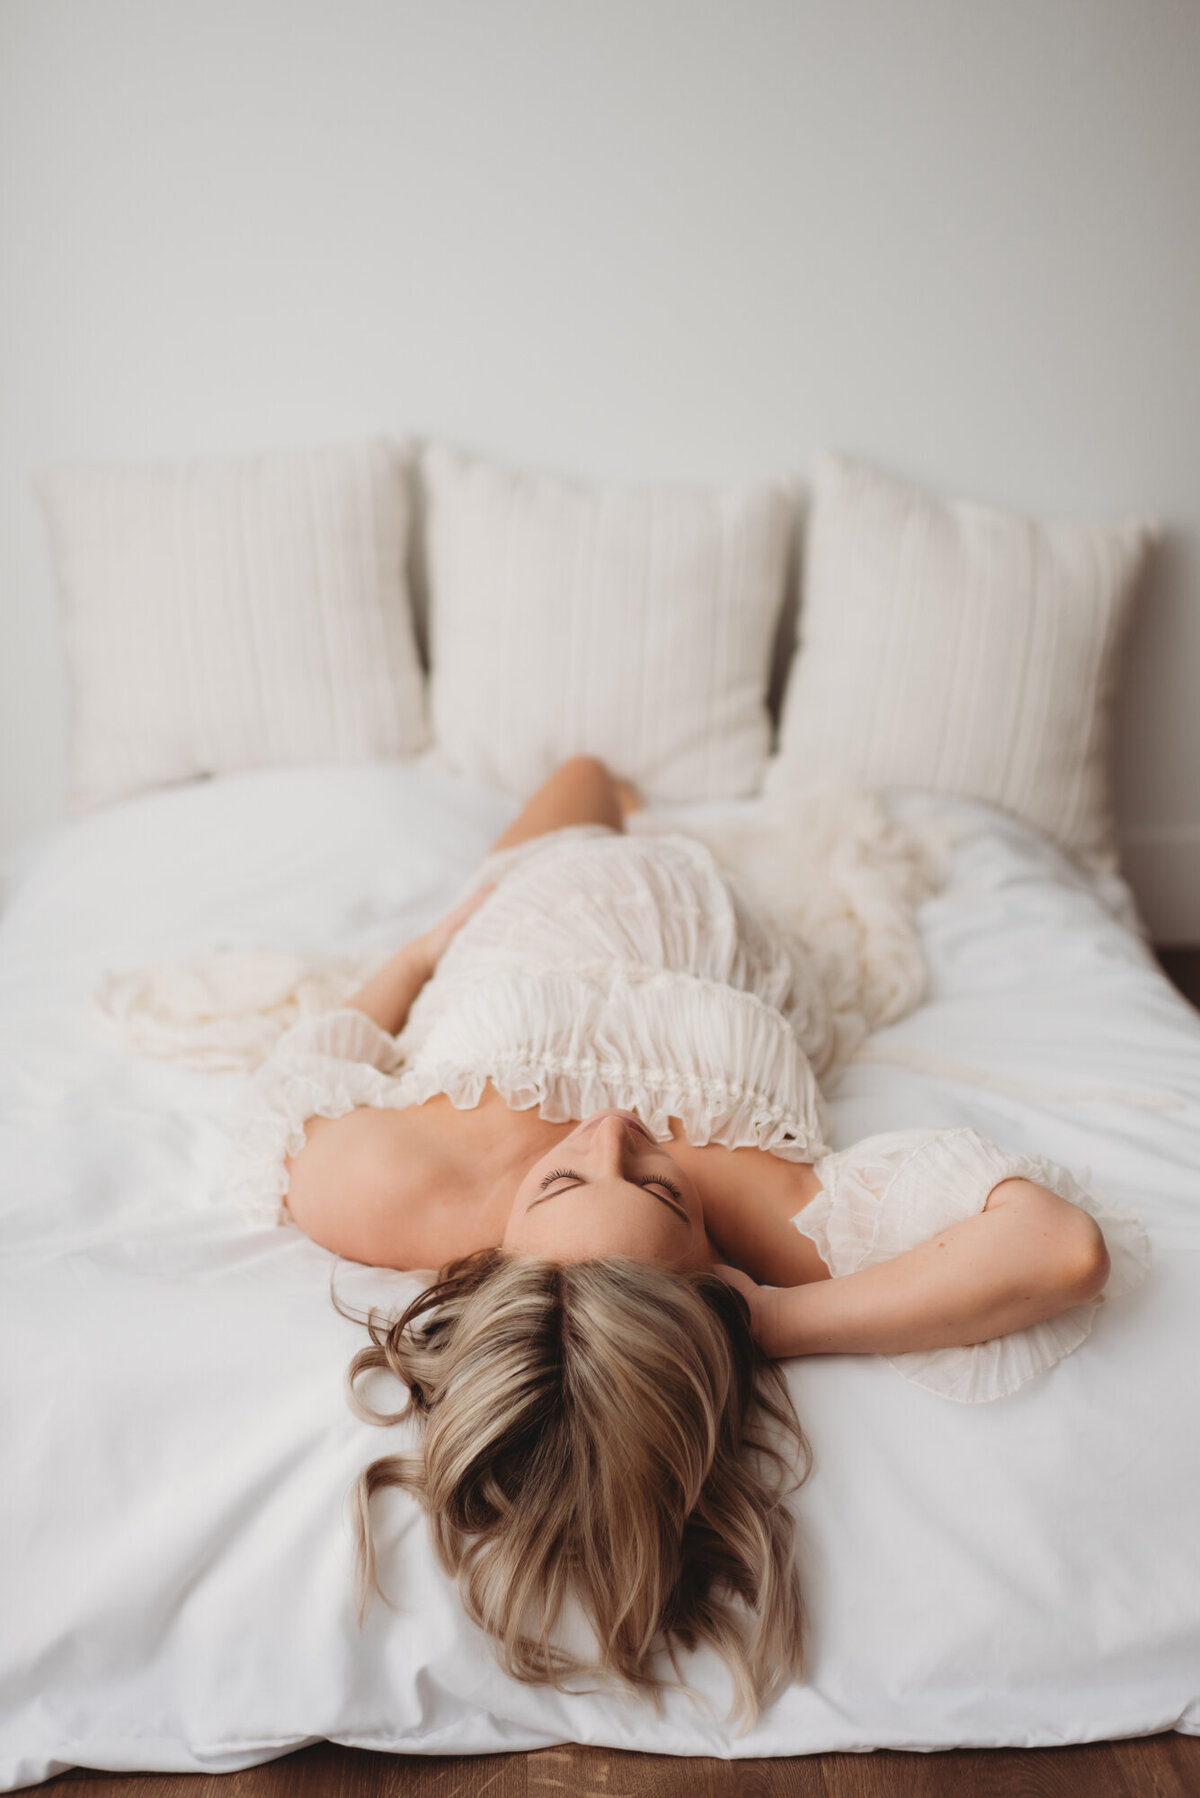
[{"x": 566, "y": 1173}]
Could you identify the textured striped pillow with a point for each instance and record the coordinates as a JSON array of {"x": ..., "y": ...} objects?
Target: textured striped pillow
[
  {"x": 236, "y": 612},
  {"x": 632, "y": 623},
  {"x": 961, "y": 649}
]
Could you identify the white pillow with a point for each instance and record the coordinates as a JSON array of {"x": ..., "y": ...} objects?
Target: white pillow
[
  {"x": 233, "y": 612},
  {"x": 631, "y": 623},
  {"x": 961, "y": 649}
]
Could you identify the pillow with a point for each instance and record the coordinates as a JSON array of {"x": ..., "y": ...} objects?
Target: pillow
[
  {"x": 961, "y": 649},
  {"x": 233, "y": 612},
  {"x": 631, "y": 623}
]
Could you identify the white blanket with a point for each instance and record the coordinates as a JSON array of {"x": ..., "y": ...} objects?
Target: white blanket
[{"x": 175, "y": 1561}]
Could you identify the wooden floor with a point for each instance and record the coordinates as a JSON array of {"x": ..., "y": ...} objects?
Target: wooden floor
[
  {"x": 1183, "y": 967},
  {"x": 1164, "y": 1766}
]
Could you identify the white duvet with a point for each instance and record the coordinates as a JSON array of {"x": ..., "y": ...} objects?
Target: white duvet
[{"x": 176, "y": 1586}]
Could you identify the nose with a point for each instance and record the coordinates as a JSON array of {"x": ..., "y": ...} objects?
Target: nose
[{"x": 613, "y": 1143}]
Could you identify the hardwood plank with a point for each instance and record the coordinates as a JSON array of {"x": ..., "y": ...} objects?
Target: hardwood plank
[
  {"x": 1163, "y": 1766},
  {"x": 1182, "y": 968}
]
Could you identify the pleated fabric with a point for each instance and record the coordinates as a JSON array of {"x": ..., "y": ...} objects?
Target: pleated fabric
[
  {"x": 325, "y": 1067},
  {"x": 892, "y": 1191},
  {"x": 604, "y": 970}
]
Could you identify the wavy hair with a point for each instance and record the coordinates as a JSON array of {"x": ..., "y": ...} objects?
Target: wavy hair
[{"x": 604, "y": 1431}]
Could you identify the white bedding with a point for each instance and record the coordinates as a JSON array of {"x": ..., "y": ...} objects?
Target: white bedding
[{"x": 175, "y": 1561}]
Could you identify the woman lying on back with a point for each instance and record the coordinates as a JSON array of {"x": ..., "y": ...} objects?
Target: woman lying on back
[{"x": 584, "y": 1098}]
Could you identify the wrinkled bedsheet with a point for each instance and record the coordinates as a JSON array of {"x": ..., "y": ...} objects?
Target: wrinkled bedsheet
[{"x": 176, "y": 1562}]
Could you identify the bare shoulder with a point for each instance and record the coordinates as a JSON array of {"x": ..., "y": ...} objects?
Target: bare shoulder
[
  {"x": 750, "y": 1198},
  {"x": 361, "y": 1183}
]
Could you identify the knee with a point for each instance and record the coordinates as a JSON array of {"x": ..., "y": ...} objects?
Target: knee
[
  {"x": 585, "y": 767},
  {"x": 584, "y": 780}
]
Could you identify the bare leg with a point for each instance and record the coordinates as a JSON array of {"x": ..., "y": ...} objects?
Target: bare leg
[{"x": 582, "y": 791}]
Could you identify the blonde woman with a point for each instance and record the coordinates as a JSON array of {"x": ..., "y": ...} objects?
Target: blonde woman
[{"x": 585, "y": 1098}]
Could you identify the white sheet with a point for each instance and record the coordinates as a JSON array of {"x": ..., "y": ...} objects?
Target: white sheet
[{"x": 175, "y": 1563}]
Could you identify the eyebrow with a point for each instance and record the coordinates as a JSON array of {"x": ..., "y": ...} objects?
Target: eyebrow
[{"x": 644, "y": 1186}]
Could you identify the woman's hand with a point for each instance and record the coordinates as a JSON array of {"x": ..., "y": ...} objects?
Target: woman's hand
[
  {"x": 427, "y": 950},
  {"x": 753, "y": 1294}
]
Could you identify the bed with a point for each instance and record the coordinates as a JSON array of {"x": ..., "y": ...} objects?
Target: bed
[
  {"x": 178, "y": 1564},
  {"x": 307, "y": 689}
]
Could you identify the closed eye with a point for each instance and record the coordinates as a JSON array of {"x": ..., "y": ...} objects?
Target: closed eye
[{"x": 670, "y": 1196}]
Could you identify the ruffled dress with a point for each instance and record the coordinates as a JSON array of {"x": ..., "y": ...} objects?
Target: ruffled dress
[
  {"x": 613, "y": 970},
  {"x": 604, "y": 970}
]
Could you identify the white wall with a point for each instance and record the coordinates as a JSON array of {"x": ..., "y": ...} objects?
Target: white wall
[{"x": 680, "y": 239}]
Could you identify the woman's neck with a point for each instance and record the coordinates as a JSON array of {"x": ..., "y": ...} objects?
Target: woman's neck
[{"x": 750, "y": 1197}]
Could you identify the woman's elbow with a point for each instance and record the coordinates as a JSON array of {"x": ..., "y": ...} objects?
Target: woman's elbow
[
  {"x": 1083, "y": 1259},
  {"x": 1061, "y": 1241}
]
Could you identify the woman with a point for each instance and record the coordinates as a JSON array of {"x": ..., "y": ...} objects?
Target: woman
[{"x": 585, "y": 1097}]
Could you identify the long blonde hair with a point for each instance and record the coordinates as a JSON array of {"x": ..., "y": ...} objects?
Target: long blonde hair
[{"x": 606, "y": 1431}]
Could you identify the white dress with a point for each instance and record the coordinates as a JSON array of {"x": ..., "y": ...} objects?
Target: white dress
[
  {"x": 604, "y": 970},
  {"x": 609, "y": 969}
]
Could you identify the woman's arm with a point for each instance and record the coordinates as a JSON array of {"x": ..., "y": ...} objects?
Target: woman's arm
[
  {"x": 387, "y": 997},
  {"x": 1027, "y": 1256}
]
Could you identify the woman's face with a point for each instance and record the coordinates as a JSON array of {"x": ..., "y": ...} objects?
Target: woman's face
[{"x": 608, "y": 1189}]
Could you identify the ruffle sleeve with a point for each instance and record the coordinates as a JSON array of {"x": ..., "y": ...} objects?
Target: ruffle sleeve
[
  {"x": 889, "y": 1192},
  {"x": 323, "y": 1067}
]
